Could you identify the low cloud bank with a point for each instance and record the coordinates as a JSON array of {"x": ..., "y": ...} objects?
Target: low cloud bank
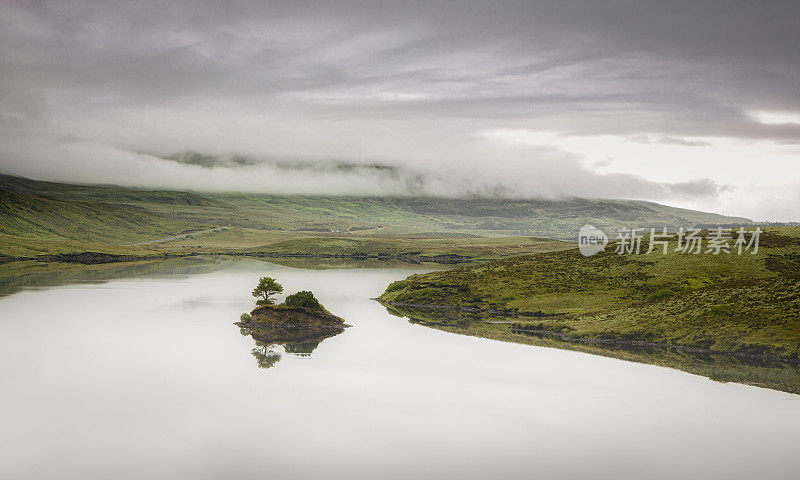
[{"x": 546, "y": 173}]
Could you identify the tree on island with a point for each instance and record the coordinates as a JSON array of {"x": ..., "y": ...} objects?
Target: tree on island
[
  {"x": 303, "y": 299},
  {"x": 267, "y": 286}
]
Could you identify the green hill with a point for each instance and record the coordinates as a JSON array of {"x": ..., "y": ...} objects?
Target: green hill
[
  {"x": 44, "y": 217},
  {"x": 49, "y": 217},
  {"x": 746, "y": 305},
  {"x": 532, "y": 217},
  {"x": 101, "y": 193}
]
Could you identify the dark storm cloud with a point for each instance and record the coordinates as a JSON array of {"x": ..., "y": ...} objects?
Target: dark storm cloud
[{"x": 403, "y": 83}]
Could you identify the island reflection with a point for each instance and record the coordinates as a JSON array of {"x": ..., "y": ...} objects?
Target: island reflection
[
  {"x": 299, "y": 324},
  {"x": 268, "y": 354}
]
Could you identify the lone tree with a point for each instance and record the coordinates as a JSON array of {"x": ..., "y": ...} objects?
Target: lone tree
[{"x": 267, "y": 286}]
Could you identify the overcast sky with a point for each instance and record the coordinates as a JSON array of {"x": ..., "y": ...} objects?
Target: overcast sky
[{"x": 694, "y": 104}]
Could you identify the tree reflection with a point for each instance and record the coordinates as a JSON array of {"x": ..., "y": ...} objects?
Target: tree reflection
[{"x": 265, "y": 355}]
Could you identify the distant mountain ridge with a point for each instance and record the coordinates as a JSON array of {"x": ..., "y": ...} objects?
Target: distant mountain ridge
[{"x": 108, "y": 212}]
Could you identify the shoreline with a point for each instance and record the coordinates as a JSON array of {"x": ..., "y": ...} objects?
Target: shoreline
[
  {"x": 520, "y": 329},
  {"x": 96, "y": 258}
]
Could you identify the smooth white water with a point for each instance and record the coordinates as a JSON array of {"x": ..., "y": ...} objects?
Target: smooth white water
[{"x": 149, "y": 378}]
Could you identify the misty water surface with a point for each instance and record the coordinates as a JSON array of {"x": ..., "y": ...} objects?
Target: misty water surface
[{"x": 147, "y": 377}]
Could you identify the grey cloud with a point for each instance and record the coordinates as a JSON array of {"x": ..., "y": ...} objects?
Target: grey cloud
[
  {"x": 704, "y": 187},
  {"x": 505, "y": 61},
  {"x": 401, "y": 84},
  {"x": 549, "y": 178}
]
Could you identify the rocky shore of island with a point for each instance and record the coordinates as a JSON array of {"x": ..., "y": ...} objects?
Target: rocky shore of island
[{"x": 282, "y": 323}]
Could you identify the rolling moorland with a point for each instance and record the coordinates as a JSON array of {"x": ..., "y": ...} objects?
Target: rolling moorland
[
  {"x": 54, "y": 221},
  {"x": 729, "y": 309}
]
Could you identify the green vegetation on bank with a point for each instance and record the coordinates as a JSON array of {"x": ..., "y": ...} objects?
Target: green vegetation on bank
[
  {"x": 410, "y": 245},
  {"x": 747, "y": 305}
]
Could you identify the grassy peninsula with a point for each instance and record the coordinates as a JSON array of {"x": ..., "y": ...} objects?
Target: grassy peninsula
[{"x": 741, "y": 305}]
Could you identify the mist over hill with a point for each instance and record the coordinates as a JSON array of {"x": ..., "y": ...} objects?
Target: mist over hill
[{"x": 57, "y": 210}]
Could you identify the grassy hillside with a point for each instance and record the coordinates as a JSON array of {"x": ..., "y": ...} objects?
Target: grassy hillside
[
  {"x": 535, "y": 217},
  {"x": 746, "y": 305},
  {"x": 44, "y": 217},
  {"x": 101, "y": 193}
]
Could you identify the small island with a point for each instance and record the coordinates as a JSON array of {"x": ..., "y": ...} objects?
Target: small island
[{"x": 301, "y": 319}]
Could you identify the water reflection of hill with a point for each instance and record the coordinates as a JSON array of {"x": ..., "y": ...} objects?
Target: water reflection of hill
[
  {"x": 24, "y": 275},
  {"x": 776, "y": 375},
  {"x": 18, "y": 276}
]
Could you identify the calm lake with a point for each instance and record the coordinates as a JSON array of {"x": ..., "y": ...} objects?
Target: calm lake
[{"x": 147, "y": 377}]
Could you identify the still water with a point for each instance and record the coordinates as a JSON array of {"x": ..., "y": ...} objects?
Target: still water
[{"x": 147, "y": 377}]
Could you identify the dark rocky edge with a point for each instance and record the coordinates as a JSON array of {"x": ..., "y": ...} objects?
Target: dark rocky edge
[
  {"x": 271, "y": 324},
  {"x": 445, "y": 259},
  {"x": 92, "y": 258},
  {"x": 504, "y": 312}
]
